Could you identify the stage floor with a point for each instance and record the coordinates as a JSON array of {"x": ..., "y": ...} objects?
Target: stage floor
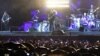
[{"x": 67, "y": 33}]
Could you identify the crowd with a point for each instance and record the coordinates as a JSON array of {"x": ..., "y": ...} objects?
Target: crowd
[{"x": 49, "y": 47}]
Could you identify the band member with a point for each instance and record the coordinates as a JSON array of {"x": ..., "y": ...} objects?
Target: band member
[
  {"x": 72, "y": 22},
  {"x": 35, "y": 20},
  {"x": 51, "y": 19},
  {"x": 91, "y": 14},
  {"x": 5, "y": 21},
  {"x": 84, "y": 19},
  {"x": 35, "y": 17}
]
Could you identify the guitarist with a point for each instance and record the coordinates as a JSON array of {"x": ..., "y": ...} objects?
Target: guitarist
[
  {"x": 51, "y": 19},
  {"x": 5, "y": 21}
]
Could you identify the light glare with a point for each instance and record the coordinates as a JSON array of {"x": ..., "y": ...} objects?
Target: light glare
[
  {"x": 53, "y": 6},
  {"x": 57, "y": 3}
]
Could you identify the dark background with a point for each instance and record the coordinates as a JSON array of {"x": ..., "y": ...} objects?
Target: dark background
[{"x": 19, "y": 10}]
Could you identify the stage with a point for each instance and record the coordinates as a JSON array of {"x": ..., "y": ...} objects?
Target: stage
[
  {"x": 71, "y": 35},
  {"x": 66, "y": 33}
]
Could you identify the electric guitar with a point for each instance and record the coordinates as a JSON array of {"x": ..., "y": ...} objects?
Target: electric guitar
[{"x": 6, "y": 20}]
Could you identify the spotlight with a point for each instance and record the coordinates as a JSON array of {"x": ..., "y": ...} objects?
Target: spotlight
[{"x": 56, "y": 3}]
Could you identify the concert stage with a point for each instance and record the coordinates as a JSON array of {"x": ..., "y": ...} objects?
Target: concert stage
[
  {"x": 67, "y": 33},
  {"x": 71, "y": 35}
]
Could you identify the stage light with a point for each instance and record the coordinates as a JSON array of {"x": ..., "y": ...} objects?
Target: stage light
[
  {"x": 57, "y": 3},
  {"x": 55, "y": 6}
]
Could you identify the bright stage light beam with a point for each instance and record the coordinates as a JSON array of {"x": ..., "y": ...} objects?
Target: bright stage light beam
[
  {"x": 57, "y": 3},
  {"x": 56, "y": 6}
]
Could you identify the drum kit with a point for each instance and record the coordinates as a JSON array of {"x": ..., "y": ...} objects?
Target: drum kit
[{"x": 86, "y": 20}]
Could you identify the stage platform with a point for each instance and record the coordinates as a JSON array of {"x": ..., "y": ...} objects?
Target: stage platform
[
  {"x": 67, "y": 33},
  {"x": 72, "y": 35}
]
